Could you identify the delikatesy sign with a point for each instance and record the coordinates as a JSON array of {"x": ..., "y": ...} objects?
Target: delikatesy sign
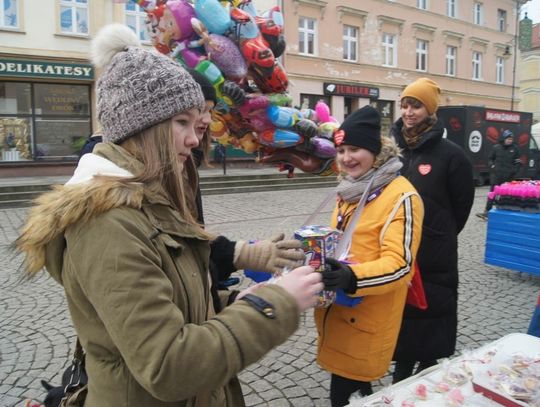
[{"x": 45, "y": 69}]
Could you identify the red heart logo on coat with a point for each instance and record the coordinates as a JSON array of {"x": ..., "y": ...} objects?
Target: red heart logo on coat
[{"x": 424, "y": 169}]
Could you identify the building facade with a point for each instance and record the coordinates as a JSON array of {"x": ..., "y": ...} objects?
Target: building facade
[
  {"x": 352, "y": 53},
  {"x": 47, "y": 82},
  {"x": 346, "y": 52}
]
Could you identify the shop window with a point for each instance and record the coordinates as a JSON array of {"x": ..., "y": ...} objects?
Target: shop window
[
  {"x": 60, "y": 139},
  {"x": 43, "y": 121},
  {"x": 51, "y": 99},
  {"x": 386, "y": 110},
  {"x": 74, "y": 17},
  {"x": 135, "y": 19},
  {"x": 308, "y": 101},
  {"x": 15, "y": 98},
  {"x": 15, "y": 139},
  {"x": 9, "y": 14}
]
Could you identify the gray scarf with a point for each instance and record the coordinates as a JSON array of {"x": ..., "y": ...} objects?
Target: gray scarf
[{"x": 351, "y": 189}]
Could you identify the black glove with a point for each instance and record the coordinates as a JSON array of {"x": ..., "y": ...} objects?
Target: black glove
[{"x": 338, "y": 275}]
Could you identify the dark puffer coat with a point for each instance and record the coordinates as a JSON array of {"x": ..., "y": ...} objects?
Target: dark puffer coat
[
  {"x": 504, "y": 162},
  {"x": 442, "y": 174}
]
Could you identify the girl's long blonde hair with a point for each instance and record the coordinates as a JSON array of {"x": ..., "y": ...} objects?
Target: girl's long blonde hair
[{"x": 155, "y": 148}]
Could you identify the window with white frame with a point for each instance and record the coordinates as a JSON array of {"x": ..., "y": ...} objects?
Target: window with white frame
[
  {"x": 421, "y": 4},
  {"x": 389, "y": 49},
  {"x": 451, "y": 55},
  {"x": 501, "y": 20},
  {"x": 350, "y": 43},
  {"x": 9, "y": 13},
  {"x": 499, "y": 66},
  {"x": 478, "y": 13},
  {"x": 477, "y": 65},
  {"x": 135, "y": 19},
  {"x": 451, "y": 8},
  {"x": 307, "y": 36},
  {"x": 74, "y": 16},
  {"x": 421, "y": 55}
]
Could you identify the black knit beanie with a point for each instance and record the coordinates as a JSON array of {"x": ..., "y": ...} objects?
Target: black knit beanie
[
  {"x": 362, "y": 129},
  {"x": 208, "y": 90}
]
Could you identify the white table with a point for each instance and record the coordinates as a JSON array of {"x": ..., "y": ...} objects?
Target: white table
[{"x": 504, "y": 349}]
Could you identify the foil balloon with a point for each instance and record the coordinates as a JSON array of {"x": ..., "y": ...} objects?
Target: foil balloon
[
  {"x": 212, "y": 73},
  {"x": 249, "y": 143},
  {"x": 327, "y": 129},
  {"x": 222, "y": 51},
  {"x": 323, "y": 147},
  {"x": 306, "y": 128},
  {"x": 267, "y": 81},
  {"x": 271, "y": 33},
  {"x": 244, "y": 25},
  {"x": 226, "y": 55},
  {"x": 253, "y": 102},
  {"x": 259, "y": 121},
  {"x": 251, "y": 43},
  {"x": 323, "y": 111},
  {"x": 279, "y": 138},
  {"x": 283, "y": 116},
  {"x": 232, "y": 94},
  {"x": 304, "y": 161},
  {"x": 169, "y": 23},
  {"x": 214, "y": 16},
  {"x": 275, "y": 15},
  {"x": 279, "y": 99}
]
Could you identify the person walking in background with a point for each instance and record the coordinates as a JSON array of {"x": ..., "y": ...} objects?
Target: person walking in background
[
  {"x": 356, "y": 343},
  {"x": 133, "y": 261},
  {"x": 504, "y": 163},
  {"x": 443, "y": 176}
]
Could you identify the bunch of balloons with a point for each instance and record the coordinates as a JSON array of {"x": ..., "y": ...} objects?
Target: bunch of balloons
[{"x": 237, "y": 50}]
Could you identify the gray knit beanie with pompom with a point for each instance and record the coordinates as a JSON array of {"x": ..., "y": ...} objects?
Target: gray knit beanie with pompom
[{"x": 137, "y": 88}]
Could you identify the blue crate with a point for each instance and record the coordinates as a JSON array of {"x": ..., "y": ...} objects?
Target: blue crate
[{"x": 513, "y": 240}]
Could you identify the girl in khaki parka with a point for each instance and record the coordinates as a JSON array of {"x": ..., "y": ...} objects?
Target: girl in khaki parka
[{"x": 133, "y": 262}]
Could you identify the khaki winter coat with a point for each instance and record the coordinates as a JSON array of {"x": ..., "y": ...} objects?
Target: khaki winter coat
[{"x": 136, "y": 281}]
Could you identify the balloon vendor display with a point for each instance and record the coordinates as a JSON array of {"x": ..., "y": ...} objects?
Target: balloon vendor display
[{"x": 237, "y": 50}]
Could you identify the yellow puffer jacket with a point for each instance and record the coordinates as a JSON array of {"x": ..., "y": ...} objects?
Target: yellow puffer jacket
[{"x": 358, "y": 342}]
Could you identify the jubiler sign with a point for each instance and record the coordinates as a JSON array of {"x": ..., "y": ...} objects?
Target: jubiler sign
[{"x": 43, "y": 69}]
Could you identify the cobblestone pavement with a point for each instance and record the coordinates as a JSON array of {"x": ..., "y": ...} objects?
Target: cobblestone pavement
[{"x": 36, "y": 336}]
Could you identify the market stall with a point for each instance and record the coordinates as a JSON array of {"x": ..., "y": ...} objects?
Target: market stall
[
  {"x": 504, "y": 372},
  {"x": 513, "y": 231}
]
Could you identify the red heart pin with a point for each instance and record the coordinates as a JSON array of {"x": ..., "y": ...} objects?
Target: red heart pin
[
  {"x": 338, "y": 137},
  {"x": 424, "y": 169}
]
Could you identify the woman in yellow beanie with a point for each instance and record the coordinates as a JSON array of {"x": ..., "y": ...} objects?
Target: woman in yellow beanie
[{"x": 442, "y": 175}]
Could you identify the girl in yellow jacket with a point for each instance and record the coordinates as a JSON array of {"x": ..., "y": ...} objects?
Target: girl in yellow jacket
[{"x": 356, "y": 343}]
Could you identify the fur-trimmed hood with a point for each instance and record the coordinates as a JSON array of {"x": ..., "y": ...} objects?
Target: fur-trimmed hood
[{"x": 97, "y": 186}]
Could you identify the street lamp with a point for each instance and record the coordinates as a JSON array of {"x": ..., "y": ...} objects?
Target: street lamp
[{"x": 507, "y": 52}]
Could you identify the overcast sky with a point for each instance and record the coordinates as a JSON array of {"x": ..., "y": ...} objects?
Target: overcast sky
[{"x": 533, "y": 10}]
